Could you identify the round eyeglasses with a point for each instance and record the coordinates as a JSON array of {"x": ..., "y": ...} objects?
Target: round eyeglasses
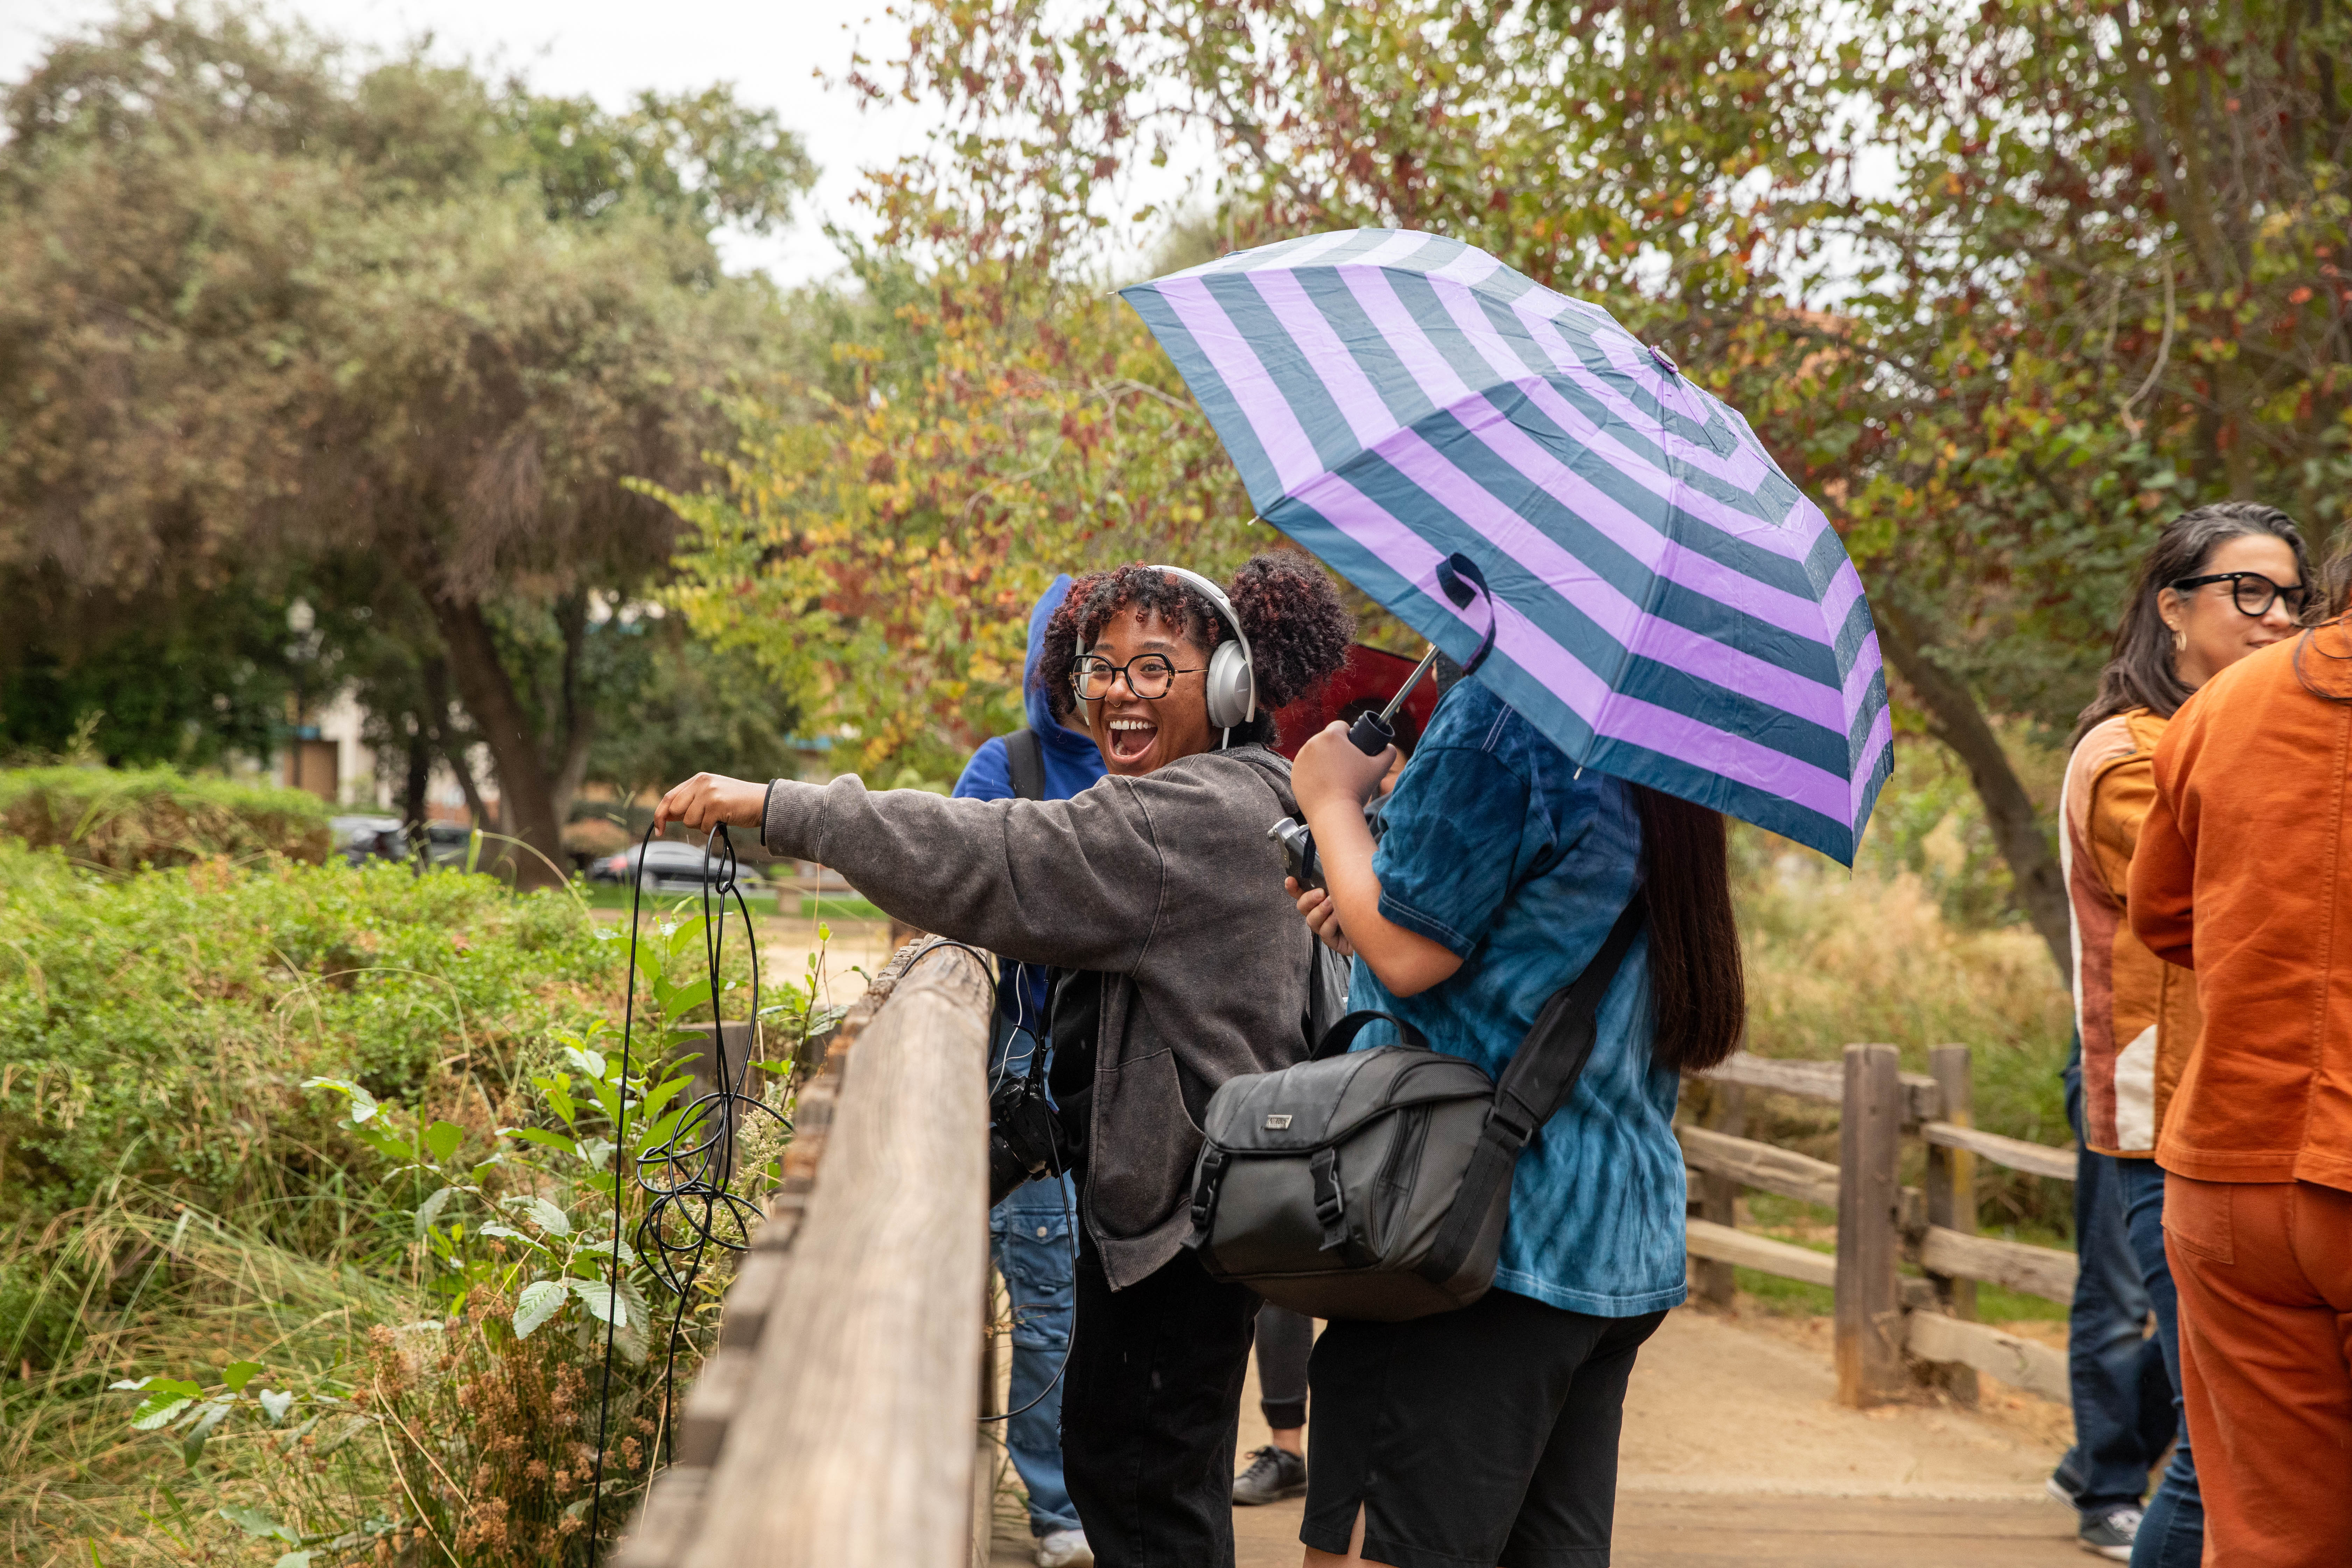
[
  {"x": 2253, "y": 592},
  {"x": 1149, "y": 676}
]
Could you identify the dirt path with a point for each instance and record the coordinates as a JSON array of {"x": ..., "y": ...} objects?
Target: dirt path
[
  {"x": 854, "y": 950},
  {"x": 1735, "y": 1452}
]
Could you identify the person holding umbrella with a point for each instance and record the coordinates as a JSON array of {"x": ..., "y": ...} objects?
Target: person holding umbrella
[
  {"x": 1655, "y": 628},
  {"x": 1502, "y": 870}
]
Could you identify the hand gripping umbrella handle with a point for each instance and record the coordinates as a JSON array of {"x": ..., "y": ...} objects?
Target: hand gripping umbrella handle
[{"x": 1372, "y": 732}]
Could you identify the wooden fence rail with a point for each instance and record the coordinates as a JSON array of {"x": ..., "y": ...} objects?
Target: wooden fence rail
[
  {"x": 854, "y": 1328},
  {"x": 1893, "y": 1331}
]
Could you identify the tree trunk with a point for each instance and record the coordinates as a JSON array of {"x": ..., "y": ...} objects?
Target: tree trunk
[
  {"x": 412, "y": 801},
  {"x": 1956, "y": 720},
  {"x": 579, "y": 719},
  {"x": 453, "y": 749},
  {"x": 526, "y": 791}
]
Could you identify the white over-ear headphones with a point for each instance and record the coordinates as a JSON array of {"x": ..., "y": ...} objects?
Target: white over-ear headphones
[{"x": 1233, "y": 678}]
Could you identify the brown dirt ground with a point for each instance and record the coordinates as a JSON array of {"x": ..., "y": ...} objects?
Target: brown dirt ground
[{"x": 1735, "y": 1452}]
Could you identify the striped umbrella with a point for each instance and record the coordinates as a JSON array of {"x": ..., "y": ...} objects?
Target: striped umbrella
[{"x": 1667, "y": 606}]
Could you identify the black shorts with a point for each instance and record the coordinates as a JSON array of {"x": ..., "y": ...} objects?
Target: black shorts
[{"x": 1471, "y": 1438}]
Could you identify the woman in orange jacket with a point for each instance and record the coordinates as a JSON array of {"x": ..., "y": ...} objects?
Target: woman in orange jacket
[
  {"x": 2245, "y": 873},
  {"x": 2219, "y": 584}
]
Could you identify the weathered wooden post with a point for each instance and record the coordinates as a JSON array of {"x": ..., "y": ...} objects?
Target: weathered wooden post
[
  {"x": 1720, "y": 1195},
  {"x": 1952, "y": 1198},
  {"x": 1870, "y": 1196}
]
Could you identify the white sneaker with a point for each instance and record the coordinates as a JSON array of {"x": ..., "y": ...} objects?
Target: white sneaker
[
  {"x": 2110, "y": 1534},
  {"x": 1064, "y": 1548}
]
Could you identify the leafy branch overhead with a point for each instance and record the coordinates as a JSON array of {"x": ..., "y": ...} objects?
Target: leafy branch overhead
[
  {"x": 2003, "y": 287},
  {"x": 877, "y": 544}
]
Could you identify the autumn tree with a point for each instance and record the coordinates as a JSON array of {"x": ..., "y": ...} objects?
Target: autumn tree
[
  {"x": 880, "y": 531},
  {"x": 387, "y": 328},
  {"x": 2002, "y": 286}
]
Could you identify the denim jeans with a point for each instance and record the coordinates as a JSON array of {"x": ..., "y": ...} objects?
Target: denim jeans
[
  {"x": 2173, "y": 1533},
  {"x": 2123, "y": 1407},
  {"x": 1032, "y": 1235},
  {"x": 1029, "y": 1233}
]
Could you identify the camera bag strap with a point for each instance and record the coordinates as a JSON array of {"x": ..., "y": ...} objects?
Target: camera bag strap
[{"x": 1536, "y": 1082}]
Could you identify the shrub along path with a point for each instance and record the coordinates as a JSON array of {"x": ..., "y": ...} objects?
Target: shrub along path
[{"x": 1736, "y": 1453}]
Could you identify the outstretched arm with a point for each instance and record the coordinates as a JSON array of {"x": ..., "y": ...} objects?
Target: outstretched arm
[{"x": 1076, "y": 883}]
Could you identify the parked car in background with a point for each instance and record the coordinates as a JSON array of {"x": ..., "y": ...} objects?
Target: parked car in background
[
  {"x": 445, "y": 844},
  {"x": 672, "y": 867},
  {"x": 359, "y": 839}
]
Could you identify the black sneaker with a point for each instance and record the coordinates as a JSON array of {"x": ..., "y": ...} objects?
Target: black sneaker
[
  {"x": 2065, "y": 1484},
  {"x": 1274, "y": 1474},
  {"x": 2110, "y": 1534}
]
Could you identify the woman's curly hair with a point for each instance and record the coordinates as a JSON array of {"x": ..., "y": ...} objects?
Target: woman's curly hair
[{"x": 1299, "y": 631}]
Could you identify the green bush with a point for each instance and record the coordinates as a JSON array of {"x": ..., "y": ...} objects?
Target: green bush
[
  {"x": 119, "y": 821},
  {"x": 156, "y": 1027},
  {"x": 310, "y": 1175}
]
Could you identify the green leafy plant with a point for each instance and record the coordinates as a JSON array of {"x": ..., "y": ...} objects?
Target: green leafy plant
[{"x": 542, "y": 1243}]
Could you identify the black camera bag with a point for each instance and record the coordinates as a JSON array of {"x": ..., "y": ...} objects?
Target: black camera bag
[{"x": 1375, "y": 1184}]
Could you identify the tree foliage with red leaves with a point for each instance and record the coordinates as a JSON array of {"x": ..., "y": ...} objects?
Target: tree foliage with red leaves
[{"x": 2004, "y": 283}]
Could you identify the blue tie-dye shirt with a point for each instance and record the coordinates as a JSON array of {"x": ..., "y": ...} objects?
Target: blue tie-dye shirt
[{"x": 1499, "y": 851}]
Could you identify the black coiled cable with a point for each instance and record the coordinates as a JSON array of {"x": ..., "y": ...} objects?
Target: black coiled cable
[
  {"x": 688, "y": 1177},
  {"x": 691, "y": 1205}
]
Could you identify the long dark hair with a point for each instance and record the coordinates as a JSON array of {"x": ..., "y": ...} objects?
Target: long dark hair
[
  {"x": 2139, "y": 673},
  {"x": 1698, "y": 986}
]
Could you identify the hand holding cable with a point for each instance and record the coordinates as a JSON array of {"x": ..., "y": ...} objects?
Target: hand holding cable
[{"x": 713, "y": 800}]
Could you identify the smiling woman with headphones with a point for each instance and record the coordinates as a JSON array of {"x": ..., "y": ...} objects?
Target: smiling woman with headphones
[{"x": 1180, "y": 962}]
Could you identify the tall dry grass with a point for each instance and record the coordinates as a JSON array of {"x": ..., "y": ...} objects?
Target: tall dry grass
[
  {"x": 1919, "y": 945},
  {"x": 1834, "y": 959},
  {"x": 128, "y": 1286}
]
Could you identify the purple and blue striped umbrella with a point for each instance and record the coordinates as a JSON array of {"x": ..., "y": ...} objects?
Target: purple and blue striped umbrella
[{"x": 1667, "y": 606}]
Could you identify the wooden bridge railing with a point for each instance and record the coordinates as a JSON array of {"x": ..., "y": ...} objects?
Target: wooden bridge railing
[
  {"x": 833, "y": 1425},
  {"x": 1892, "y": 1333}
]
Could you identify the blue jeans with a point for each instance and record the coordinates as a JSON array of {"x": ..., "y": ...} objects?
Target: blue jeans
[
  {"x": 2121, "y": 1395},
  {"x": 2173, "y": 1533},
  {"x": 1029, "y": 1233}
]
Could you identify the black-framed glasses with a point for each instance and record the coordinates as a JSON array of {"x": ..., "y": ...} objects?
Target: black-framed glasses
[
  {"x": 1149, "y": 676},
  {"x": 2253, "y": 592}
]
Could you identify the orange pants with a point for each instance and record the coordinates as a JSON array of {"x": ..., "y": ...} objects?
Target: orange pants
[{"x": 2265, "y": 1272}]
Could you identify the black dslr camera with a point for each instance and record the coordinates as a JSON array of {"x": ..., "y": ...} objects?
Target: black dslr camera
[
  {"x": 1298, "y": 860},
  {"x": 1372, "y": 734},
  {"x": 1024, "y": 1136}
]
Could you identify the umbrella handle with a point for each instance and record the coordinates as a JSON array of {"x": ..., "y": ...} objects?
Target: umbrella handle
[
  {"x": 1371, "y": 734},
  {"x": 1455, "y": 575}
]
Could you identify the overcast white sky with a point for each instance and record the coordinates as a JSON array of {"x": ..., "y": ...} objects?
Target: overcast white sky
[{"x": 772, "y": 52}]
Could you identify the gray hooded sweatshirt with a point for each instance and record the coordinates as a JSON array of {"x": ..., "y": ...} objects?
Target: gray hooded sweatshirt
[{"x": 1166, "y": 884}]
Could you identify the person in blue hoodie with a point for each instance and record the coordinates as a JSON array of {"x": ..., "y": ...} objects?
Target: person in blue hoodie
[{"x": 1030, "y": 1230}]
